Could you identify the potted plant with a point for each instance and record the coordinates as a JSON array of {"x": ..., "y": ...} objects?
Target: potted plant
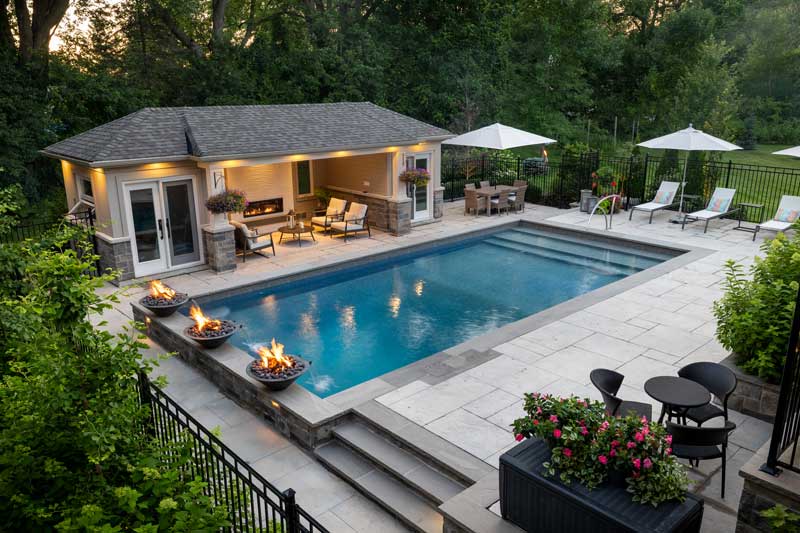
[
  {"x": 605, "y": 182},
  {"x": 418, "y": 176},
  {"x": 575, "y": 456},
  {"x": 323, "y": 197},
  {"x": 230, "y": 201}
]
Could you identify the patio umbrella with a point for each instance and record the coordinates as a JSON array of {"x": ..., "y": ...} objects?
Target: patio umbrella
[
  {"x": 499, "y": 137},
  {"x": 690, "y": 140},
  {"x": 789, "y": 151}
]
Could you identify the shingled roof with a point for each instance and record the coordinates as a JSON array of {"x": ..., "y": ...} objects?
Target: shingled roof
[{"x": 222, "y": 132}]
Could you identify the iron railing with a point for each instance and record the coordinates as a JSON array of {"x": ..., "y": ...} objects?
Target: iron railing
[
  {"x": 253, "y": 503},
  {"x": 24, "y": 231},
  {"x": 786, "y": 429},
  {"x": 559, "y": 183}
]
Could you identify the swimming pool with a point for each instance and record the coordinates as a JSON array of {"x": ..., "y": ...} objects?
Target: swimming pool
[{"x": 365, "y": 321}]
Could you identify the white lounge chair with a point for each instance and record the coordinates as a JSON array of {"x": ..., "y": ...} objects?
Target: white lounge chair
[
  {"x": 355, "y": 220},
  {"x": 334, "y": 213},
  {"x": 251, "y": 240},
  {"x": 785, "y": 217},
  {"x": 718, "y": 207},
  {"x": 664, "y": 198}
]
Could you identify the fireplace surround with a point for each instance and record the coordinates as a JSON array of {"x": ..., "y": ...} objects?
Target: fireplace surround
[{"x": 259, "y": 208}]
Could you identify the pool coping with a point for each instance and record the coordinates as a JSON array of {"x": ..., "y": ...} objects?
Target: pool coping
[{"x": 309, "y": 418}]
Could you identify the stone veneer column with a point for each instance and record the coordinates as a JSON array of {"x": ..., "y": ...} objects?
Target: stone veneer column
[
  {"x": 220, "y": 248},
  {"x": 115, "y": 256},
  {"x": 400, "y": 216},
  {"x": 438, "y": 203}
]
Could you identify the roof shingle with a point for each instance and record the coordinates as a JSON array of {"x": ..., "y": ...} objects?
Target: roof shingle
[{"x": 231, "y": 131}]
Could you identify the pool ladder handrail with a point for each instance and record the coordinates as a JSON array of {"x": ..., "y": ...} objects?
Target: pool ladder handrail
[{"x": 608, "y": 220}]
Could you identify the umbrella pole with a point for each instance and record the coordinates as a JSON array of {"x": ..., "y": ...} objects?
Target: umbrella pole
[{"x": 677, "y": 219}]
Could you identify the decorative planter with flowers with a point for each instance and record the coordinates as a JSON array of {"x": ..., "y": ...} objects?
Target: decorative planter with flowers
[
  {"x": 580, "y": 470},
  {"x": 605, "y": 181},
  {"x": 415, "y": 178},
  {"x": 230, "y": 201}
]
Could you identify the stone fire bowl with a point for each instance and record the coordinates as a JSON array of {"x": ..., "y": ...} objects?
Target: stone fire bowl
[
  {"x": 166, "y": 309},
  {"x": 212, "y": 342},
  {"x": 276, "y": 384}
]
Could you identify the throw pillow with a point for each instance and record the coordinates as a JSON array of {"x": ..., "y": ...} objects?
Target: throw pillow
[
  {"x": 663, "y": 197},
  {"x": 787, "y": 215},
  {"x": 719, "y": 205}
]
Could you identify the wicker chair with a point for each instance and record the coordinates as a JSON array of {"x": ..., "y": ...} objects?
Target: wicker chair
[
  {"x": 520, "y": 183},
  {"x": 501, "y": 203},
  {"x": 485, "y": 184},
  {"x": 517, "y": 198},
  {"x": 469, "y": 186},
  {"x": 472, "y": 202}
]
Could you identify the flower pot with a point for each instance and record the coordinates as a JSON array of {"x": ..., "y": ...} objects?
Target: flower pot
[{"x": 591, "y": 202}]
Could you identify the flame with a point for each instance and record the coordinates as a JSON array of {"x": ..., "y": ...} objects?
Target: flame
[
  {"x": 202, "y": 321},
  {"x": 273, "y": 358},
  {"x": 544, "y": 153},
  {"x": 159, "y": 290}
]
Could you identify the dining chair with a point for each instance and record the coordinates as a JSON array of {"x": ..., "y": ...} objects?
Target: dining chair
[
  {"x": 485, "y": 184},
  {"x": 719, "y": 380},
  {"x": 500, "y": 203},
  {"x": 469, "y": 187},
  {"x": 517, "y": 198},
  {"x": 472, "y": 202},
  {"x": 520, "y": 183},
  {"x": 608, "y": 383},
  {"x": 696, "y": 443}
]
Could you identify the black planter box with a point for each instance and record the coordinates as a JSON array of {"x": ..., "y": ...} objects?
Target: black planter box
[{"x": 537, "y": 503}]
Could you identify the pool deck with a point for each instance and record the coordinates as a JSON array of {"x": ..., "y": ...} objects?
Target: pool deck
[{"x": 469, "y": 395}]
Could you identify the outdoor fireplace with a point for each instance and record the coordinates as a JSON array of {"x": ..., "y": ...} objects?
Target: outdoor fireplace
[
  {"x": 275, "y": 369},
  {"x": 263, "y": 207}
]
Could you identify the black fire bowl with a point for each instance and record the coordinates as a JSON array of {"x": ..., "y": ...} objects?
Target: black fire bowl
[
  {"x": 163, "y": 307},
  {"x": 213, "y": 339},
  {"x": 276, "y": 383}
]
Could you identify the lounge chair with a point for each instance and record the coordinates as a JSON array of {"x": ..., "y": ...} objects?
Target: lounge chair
[
  {"x": 251, "y": 241},
  {"x": 355, "y": 220},
  {"x": 334, "y": 213},
  {"x": 785, "y": 217},
  {"x": 664, "y": 198},
  {"x": 719, "y": 206}
]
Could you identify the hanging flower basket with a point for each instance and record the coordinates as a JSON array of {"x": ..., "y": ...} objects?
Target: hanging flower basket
[
  {"x": 417, "y": 176},
  {"x": 231, "y": 201}
]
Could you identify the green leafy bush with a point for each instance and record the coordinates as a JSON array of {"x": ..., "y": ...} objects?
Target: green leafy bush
[
  {"x": 781, "y": 519},
  {"x": 755, "y": 314},
  {"x": 587, "y": 445}
]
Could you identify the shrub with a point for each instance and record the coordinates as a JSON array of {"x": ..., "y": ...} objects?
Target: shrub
[
  {"x": 586, "y": 445},
  {"x": 781, "y": 519},
  {"x": 755, "y": 314},
  {"x": 231, "y": 201}
]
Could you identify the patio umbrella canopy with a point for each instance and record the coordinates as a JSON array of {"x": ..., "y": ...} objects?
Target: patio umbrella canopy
[
  {"x": 690, "y": 140},
  {"x": 789, "y": 151},
  {"x": 499, "y": 137}
]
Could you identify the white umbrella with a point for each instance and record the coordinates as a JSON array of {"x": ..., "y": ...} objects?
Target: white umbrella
[
  {"x": 789, "y": 151},
  {"x": 690, "y": 140},
  {"x": 499, "y": 137}
]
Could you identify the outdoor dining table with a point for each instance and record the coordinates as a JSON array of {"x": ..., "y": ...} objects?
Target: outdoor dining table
[
  {"x": 491, "y": 192},
  {"x": 676, "y": 393}
]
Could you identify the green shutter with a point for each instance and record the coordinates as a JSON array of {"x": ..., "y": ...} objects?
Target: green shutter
[{"x": 303, "y": 177}]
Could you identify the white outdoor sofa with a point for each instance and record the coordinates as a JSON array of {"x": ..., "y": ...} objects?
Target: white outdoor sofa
[
  {"x": 785, "y": 217},
  {"x": 334, "y": 213},
  {"x": 251, "y": 240},
  {"x": 664, "y": 198},
  {"x": 719, "y": 206}
]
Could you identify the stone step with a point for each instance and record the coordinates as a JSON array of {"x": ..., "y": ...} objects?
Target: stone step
[
  {"x": 382, "y": 487},
  {"x": 425, "y": 479}
]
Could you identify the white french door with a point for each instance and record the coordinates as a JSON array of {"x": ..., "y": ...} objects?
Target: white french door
[
  {"x": 162, "y": 219},
  {"x": 421, "y": 196}
]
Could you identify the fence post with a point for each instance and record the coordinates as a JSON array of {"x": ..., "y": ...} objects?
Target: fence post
[
  {"x": 146, "y": 399},
  {"x": 292, "y": 519},
  {"x": 728, "y": 176},
  {"x": 644, "y": 181},
  {"x": 787, "y": 384}
]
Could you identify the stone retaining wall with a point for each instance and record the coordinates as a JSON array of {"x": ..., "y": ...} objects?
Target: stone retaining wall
[
  {"x": 753, "y": 396},
  {"x": 762, "y": 491}
]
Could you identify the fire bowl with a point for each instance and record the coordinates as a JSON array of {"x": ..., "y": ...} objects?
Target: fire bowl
[
  {"x": 280, "y": 380},
  {"x": 164, "y": 306},
  {"x": 214, "y": 337}
]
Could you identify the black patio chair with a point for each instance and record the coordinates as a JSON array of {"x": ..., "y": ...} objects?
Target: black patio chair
[
  {"x": 696, "y": 443},
  {"x": 608, "y": 383},
  {"x": 719, "y": 380}
]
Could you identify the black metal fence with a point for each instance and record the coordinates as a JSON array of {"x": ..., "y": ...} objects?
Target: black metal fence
[
  {"x": 786, "y": 429},
  {"x": 253, "y": 503},
  {"x": 559, "y": 183},
  {"x": 31, "y": 230}
]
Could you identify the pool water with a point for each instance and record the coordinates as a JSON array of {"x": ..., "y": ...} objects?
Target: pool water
[{"x": 363, "y": 322}]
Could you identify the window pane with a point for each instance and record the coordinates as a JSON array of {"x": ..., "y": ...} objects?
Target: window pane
[
  {"x": 422, "y": 162},
  {"x": 86, "y": 187},
  {"x": 303, "y": 177}
]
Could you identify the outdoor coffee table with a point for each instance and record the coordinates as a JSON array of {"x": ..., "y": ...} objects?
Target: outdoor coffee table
[
  {"x": 297, "y": 232},
  {"x": 676, "y": 394}
]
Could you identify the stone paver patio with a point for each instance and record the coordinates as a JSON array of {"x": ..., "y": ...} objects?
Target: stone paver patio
[{"x": 652, "y": 329}]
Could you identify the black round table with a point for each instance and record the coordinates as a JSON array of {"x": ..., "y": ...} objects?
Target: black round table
[{"x": 677, "y": 393}]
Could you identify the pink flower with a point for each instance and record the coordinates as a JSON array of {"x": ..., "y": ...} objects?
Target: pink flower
[
  {"x": 584, "y": 431},
  {"x": 669, "y": 451},
  {"x": 648, "y": 463},
  {"x": 603, "y": 459},
  {"x": 554, "y": 419},
  {"x": 637, "y": 463},
  {"x": 557, "y": 433},
  {"x": 631, "y": 444},
  {"x": 535, "y": 422},
  {"x": 644, "y": 420},
  {"x": 538, "y": 410},
  {"x": 614, "y": 443},
  {"x": 519, "y": 437},
  {"x": 612, "y": 452},
  {"x": 639, "y": 437},
  {"x": 567, "y": 452},
  {"x": 668, "y": 439},
  {"x": 535, "y": 394}
]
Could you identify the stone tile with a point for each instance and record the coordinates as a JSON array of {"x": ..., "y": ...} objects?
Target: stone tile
[
  {"x": 659, "y": 286},
  {"x": 485, "y": 406},
  {"x": 363, "y": 516},
  {"x": 557, "y": 335},
  {"x": 616, "y": 349},
  {"x": 671, "y": 340},
  {"x": 619, "y": 309},
  {"x": 318, "y": 490},
  {"x": 471, "y": 433},
  {"x": 518, "y": 352},
  {"x": 642, "y": 368},
  {"x": 282, "y": 462},
  {"x": 436, "y": 401},
  {"x": 605, "y": 325},
  {"x": 230, "y": 412},
  {"x": 252, "y": 441},
  {"x": 733, "y": 482},
  {"x": 641, "y": 323},
  {"x": 402, "y": 392},
  {"x": 494, "y": 460},
  {"x": 711, "y": 351},
  {"x": 662, "y": 357},
  {"x": 333, "y": 523},
  {"x": 504, "y": 418},
  {"x": 751, "y": 433},
  {"x": 716, "y": 521},
  {"x": 575, "y": 364},
  {"x": 674, "y": 319}
]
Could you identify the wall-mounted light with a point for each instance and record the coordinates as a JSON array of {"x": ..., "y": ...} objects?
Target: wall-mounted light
[{"x": 366, "y": 185}]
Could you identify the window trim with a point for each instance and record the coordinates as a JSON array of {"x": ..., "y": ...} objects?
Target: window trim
[
  {"x": 82, "y": 195},
  {"x": 310, "y": 192}
]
